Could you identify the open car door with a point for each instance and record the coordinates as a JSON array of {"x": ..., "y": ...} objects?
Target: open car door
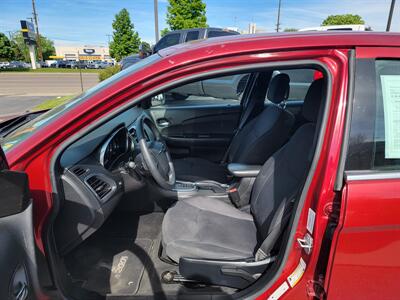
[{"x": 18, "y": 275}]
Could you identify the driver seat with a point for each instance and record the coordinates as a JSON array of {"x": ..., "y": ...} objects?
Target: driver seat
[{"x": 209, "y": 229}]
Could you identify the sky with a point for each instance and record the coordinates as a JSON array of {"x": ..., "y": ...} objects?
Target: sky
[{"x": 89, "y": 22}]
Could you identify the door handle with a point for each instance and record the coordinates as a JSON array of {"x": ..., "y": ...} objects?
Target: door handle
[{"x": 163, "y": 122}]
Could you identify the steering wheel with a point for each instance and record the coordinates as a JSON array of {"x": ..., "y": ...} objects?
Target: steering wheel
[{"x": 155, "y": 154}]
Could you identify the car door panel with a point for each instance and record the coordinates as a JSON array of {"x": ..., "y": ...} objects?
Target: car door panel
[
  {"x": 366, "y": 256},
  {"x": 18, "y": 276},
  {"x": 198, "y": 130},
  {"x": 365, "y": 253}
]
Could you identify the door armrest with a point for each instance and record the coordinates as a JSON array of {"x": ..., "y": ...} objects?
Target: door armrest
[{"x": 242, "y": 170}]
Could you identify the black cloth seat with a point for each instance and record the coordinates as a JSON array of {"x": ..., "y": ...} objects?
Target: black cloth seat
[
  {"x": 253, "y": 144},
  {"x": 207, "y": 228}
]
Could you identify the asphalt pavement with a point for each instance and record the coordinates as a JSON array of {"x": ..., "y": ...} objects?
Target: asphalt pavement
[{"x": 20, "y": 92}]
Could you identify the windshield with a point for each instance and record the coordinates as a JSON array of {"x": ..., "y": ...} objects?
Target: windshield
[{"x": 31, "y": 127}]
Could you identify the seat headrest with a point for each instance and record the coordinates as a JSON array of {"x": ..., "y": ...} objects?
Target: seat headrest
[
  {"x": 313, "y": 100},
  {"x": 278, "y": 89}
]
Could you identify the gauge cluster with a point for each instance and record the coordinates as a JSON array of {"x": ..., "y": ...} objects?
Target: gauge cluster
[{"x": 116, "y": 146}]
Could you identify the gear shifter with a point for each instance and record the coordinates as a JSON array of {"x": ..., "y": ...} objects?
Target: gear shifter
[{"x": 216, "y": 187}]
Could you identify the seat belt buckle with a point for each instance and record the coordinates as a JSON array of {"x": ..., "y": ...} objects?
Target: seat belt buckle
[{"x": 234, "y": 196}]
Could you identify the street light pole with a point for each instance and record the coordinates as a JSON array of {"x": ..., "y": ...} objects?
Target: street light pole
[
  {"x": 156, "y": 20},
  {"x": 279, "y": 16},
  {"x": 389, "y": 22},
  {"x": 37, "y": 31}
]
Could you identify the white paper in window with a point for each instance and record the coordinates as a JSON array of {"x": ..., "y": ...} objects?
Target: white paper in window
[{"x": 391, "y": 107}]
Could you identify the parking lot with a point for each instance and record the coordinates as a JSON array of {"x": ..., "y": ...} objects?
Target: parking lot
[{"x": 20, "y": 92}]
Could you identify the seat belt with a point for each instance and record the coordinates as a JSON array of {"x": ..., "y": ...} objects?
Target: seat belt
[
  {"x": 246, "y": 115},
  {"x": 266, "y": 246}
]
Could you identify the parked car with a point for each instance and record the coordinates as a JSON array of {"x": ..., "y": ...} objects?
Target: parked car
[
  {"x": 18, "y": 65},
  {"x": 182, "y": 36},
  {"x": 129, "y": 61},
  {"x": 357, "y": 27},
  {"x": 118, "y": 194},
  {"x": 4, "y": 64},
  {"x": 59, "y": 64}
]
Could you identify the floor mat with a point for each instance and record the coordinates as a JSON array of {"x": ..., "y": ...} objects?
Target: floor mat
[{"x": 111, "y": 265}]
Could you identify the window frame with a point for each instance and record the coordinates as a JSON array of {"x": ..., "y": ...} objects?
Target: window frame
[{"x": 371, "y": 53}]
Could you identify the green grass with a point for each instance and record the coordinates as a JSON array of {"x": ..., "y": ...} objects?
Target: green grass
[
  {"x": 50, "y": 70},
  {"x": 49, "y": 104}
]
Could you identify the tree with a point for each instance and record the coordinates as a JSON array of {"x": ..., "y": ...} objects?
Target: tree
[
  {"x": 164, "y": 31},
  {"x": 47, "y": 47},
  {"x": 185, "y": 14},
  {"x": 290, "y": 30},
  {"x": 21, "y": 50},
  {"x": 125, "y": 40},
  {"x": 6, "y": 49},
  {"x": 347, "y": 19},
  {"x": 145, "y": 47}
]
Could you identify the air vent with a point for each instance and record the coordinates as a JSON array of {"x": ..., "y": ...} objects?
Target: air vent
[
  {"x": 99, "y": 186},
  {"x": 78, "y": 171}
]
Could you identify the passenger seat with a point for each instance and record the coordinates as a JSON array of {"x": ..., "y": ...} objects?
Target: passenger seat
[{"x": 253, "y": 144}]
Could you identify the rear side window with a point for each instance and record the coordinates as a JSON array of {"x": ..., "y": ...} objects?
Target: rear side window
[
  {"x": 374, "y": 142},
  {"x": 192, "y": 35},
  {"x": 168, "y": 41},
  {"x": 216, "y": 33}
]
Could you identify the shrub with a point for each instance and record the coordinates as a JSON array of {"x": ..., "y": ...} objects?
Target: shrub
[{"x": 108, "y": 72}]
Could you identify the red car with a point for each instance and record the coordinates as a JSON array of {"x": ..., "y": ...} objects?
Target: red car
[{"x": 288, "y": 188}]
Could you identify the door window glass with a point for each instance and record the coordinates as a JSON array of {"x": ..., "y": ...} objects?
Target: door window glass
[
  {"x": 215, "y": 91},
  {"x": 217, "y": 33},
  {"x": 192, "y": 35},
  {"x": 168, "y": 41}
]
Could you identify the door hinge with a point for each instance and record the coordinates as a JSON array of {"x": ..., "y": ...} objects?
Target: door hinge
[{"x": 315, "y": 289}]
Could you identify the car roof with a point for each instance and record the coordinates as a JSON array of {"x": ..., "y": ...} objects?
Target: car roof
[
  {"x": 201, "y": 28},
  {"x": 283, "y": 41}
]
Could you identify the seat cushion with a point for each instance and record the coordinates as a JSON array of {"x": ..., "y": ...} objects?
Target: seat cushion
[
  {"x": 202, "y": 227},
  {"x": 198, "y": 169}
]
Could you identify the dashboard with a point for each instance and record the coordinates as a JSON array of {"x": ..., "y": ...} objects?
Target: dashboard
[{"x": 92, "y": 178}]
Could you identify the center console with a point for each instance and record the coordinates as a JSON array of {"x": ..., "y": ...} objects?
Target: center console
[
  {"x": 237, "y": 192},
  {"x": 209, "y": 188}
]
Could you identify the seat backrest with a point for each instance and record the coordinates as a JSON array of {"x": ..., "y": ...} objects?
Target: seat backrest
[
  {"x": 266, "y": 132},
  {"x": 284, "y": 173}
]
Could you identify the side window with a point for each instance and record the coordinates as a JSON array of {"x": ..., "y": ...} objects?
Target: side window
[
  {"x": 192, "y": 35},
  {"x": 215, "y": 91},
  {"x": 217, "y": 33},
  {"x": 374, "y": 142},
  {"x": 167, "y": 41},
  {"x": 300, "y": 81}
]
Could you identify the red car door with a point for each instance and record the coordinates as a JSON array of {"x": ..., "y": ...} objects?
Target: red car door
[
  {"x": 19, "y": 268},
  {"x": 365, "y": 256}
]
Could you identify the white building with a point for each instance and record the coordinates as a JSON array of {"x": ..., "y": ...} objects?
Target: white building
[{"x": 83, "y": 52}]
